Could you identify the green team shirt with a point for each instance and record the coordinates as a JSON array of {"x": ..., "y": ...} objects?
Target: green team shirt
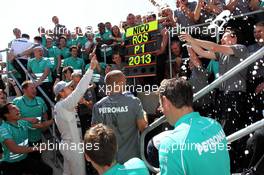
[
  {"x": 102, "y": 65},
  {"x": 72, "y": 42},
  {"x": 196, "y": 145},
  {"x": 75, "y": 63},
  {"x": 31, "y": 108},
  {"x": 213, "y": 67},
  {"x": 65, "y": 52},
  {"x": 19, "y": 134},
  {"x": 134, "y": 166},
  {"x": 79, "y": 40},
  {"x": 38, "y": 66},
  {"x": 54, "y": 52},
  {"x": 105, "y": 37}
]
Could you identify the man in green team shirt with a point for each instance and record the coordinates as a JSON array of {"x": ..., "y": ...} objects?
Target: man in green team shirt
[
  {"x": 14, "y": 140},
  {"x": 65, "y": 53},
  {"x": 77, "y": 39},
  {"x": 40, "y": 69},
  {"x": 74, "y": 61},
  {"x": 32, "y": 108},
  {"x": 54, "y": 52},
  {"x": 197, "y": 145},
  {"x": 104, "y": 37},
  {"x": 101, "y": 148}
]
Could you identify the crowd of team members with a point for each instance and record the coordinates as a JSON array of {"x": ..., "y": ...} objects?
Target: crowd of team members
[{"x": 71, "y": 68}]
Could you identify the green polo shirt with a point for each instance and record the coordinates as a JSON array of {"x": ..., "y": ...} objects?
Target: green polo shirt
[
  {"x": 197, "y": 144},
  {"x": 72, "y": 42},
  {"x": 106, "y": 36},
  {"x": 38, "y": 66},
  {"x": 54, "y": 52},
  {"x": 65, "y": 52},
  {"x": 102, "y": 65},
  {"x": 79, "y": 40},
  {"x": 75, "y": 63},
  {"x": 19, "y": 134},
  {"x": 134, "y": 166},
  {"x": 31, "y": 108}
]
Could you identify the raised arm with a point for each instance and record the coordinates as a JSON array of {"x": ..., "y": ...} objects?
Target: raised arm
[
  {"x": 203, "y": 53},
  {"x": 187, "y": 11},
  {"x": 208, "y": 45},
  {"x": 198, "y": 9},
  {"x": 231, "y": 5},
  {"x": 72, "y": 100}
]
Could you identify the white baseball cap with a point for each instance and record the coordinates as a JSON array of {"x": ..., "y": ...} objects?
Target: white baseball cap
[{"x": 60, "y": 86}]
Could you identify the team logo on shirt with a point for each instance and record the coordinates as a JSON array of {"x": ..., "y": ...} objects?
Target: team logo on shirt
[{"x": 109, "y": 110}]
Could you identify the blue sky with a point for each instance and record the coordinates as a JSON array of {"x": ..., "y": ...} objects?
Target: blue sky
[{"x": 28, "y": 15}]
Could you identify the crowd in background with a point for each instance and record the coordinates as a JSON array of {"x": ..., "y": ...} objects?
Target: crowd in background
[{"x": 60, "y": 54}]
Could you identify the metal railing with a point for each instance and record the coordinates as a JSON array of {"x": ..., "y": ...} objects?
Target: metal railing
[
  {"x": 53, "y": 132},
  {"x": 239, "y": 134}
]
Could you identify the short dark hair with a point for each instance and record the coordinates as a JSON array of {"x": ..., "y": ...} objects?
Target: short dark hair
[
  {"x": 4, "y": 110},
  {"x": 66, "y": 69},
  {"x": 260, "y": 24},
  {"x": 153, "y": 15},
  {"x": 107, "y": 143},
  {"x": 38, "y": 38},
  {"x": 100, "y": 24},
  {"x": 25, "y": 84},
  {"x": 178, "y": 91},
  {"x": 73, "y": 47},
  {"x": 24, "y": 35},
  {"x": 233, "y": 31},
  {"x": 63, "y": 37}
]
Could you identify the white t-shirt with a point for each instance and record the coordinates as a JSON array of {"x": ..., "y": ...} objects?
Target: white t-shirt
[{"x": 20, "y": 45}]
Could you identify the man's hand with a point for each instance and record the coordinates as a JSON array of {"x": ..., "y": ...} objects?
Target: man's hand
[
  {"x": 40, "y": 148},
  {"x": 201, "y": 3},
  {"x": 182, "y": 6},
  {"x": 186, "y": 37},
  {"x": 156, "y": 52},
  {"x": 31, "y": 120},
  {"x": 82, "y": 101},
  {"x": 260, "y": 88},
  {"x": 12, "y": 82}
]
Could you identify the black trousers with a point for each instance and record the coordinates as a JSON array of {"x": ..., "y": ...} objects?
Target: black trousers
[
  {"x": 27, "y": 165},
  {"x": 232, "y": 115}
]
